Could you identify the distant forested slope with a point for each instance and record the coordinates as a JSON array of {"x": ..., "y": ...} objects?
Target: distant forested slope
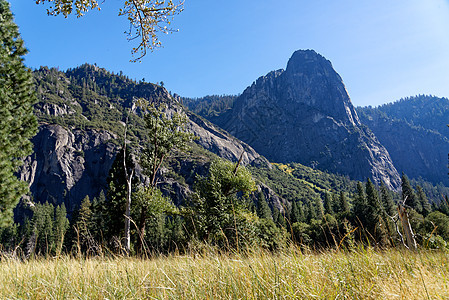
[{"x": 414, "y": 131}]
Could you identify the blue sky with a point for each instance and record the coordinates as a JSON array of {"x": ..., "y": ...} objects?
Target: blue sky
[{"x": 384, "y": 49}]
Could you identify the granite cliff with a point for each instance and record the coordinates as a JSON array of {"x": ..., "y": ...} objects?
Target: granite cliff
[
  {"x": 304, "y": 114},
  {"x": 81, "y": 130},
  {"x": 415, "y": 132}
]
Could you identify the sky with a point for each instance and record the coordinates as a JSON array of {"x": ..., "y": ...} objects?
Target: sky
[{"x": 384, "y": 50}]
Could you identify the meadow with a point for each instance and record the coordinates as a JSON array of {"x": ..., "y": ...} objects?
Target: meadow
[{"x": 290, "y": 274}]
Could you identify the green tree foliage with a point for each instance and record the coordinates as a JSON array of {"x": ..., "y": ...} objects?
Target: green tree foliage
[
  {"x": 147, "y": 18},
  {"x": 328, "y": 204},
  {"x": 409, "y": 195},
  {"x": 389, "y": 207},
  {"x": 153, "y": 208},
  {"x": 114, "y": 207},
  {"x": 41, "y": 240},
  {"x": 48, "y": 229},
  {"x": 374, "y": 221},
  {"x": 217, "y": 212},
  {"x": 373, "y": 212},
  {"x": 443, "y": 206},
  {"x": 310, "y": 211},
  {"x": 319, "y": 208},
  {"x": 263, "y": 210},
  {"x": 17, "y": 122},
  {"x": 83, "y": 226},
  {"x": 297, "y": 213},
  {"x": 99, "y": 216},
  {"x": 209, "y": 106},
  {"x": 269, "y": 236},
  {"x": 167, "y": 134},
  {"x": 61, "y": 225},
  {"x": 423, "y": 202},
  {"x": 438, "y": 223},
  {"x": 301, "y": 233},
  {"x": 343, "y": 205},
  {"x": 360, "y": 206}
]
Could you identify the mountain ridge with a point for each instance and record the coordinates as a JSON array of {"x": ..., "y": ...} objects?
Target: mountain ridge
[{"x": 304, "y": 114}]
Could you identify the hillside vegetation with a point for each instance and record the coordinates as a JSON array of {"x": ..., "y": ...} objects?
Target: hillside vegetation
[
  {"x": 197, "y": 196},
  {"x": 415, "y": 132}
]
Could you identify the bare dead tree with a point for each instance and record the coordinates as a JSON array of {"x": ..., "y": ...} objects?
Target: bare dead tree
[{"x": 129, "y": 177}]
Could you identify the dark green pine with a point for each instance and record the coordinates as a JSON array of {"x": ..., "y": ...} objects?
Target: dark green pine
[
  {"x": 328, "y": 204},
  {"x": 17, "y": 121},
  {"x": 263, "y": 210},
  {"x": 409, "y": 195}
]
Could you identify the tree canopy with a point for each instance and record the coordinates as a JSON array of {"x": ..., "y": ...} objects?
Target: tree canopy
[
  {"x": 17, "y": 122},
  {"x": 147, "y": 18}
]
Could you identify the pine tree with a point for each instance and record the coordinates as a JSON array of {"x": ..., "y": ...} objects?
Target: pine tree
[
  {"x": 409, "y": 194},
  {"x": 61, "y": 225},
  {"x": 328, "y": 204},
  {"x": 295, "y": 215},
  {"x": 319, "y": 209},
  {"x": 42, "y": 238},
  {"x": 17, "y": 122},
  {"x": 83, "y": 225},
  {"x": 423, "y": 202},
  {"x": 343, "y": 203},
  {"x": 443, "y": 205},
  {"x": 99, "y": 214},
  {"x": 114, "y": 221},
  {"x": 360, "y": 205},
  {"x": 389, "y": 206},
  {"x": 263, "y": 210},
  {"x": 310, "y": 211},
  {"x": 373, "y": 212},
  {"x": 276, "y": 215}
]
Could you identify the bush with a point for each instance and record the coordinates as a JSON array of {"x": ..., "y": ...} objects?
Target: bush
[
  {"x": 270, "y": 236},
  {"x": 440, "y": 221}
]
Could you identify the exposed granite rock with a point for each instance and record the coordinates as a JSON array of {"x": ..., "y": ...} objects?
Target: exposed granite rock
[
  {"x": 52, "y": 109},
  {"x": 272, "y": 198},
  {"x": 416, "y": 151},
  {"x": 68, "y": 165},
  {"x": 304, "y": 114},
  {"x": 218, "y": 141}
]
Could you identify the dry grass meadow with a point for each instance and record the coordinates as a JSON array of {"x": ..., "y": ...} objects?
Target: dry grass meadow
[{"x": 291, "y": 274}]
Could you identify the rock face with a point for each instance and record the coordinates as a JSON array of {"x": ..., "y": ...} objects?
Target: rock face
[
  {"x": 219, "y": 142},
  {"x": 304, "y": 114},
  {"x": 68, "y": 165},
  {"x": 418, "y": 150}
]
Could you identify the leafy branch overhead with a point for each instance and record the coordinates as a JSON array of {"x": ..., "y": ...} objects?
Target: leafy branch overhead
[{"x": 147, "y": 19}]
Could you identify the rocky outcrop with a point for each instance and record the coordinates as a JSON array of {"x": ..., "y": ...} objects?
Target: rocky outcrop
[
  {"x": 219, "y": 142},
  {"x": 304, "y": 114},
  {"x": 72, "y": 160},
  {"x": 68, "y": 165},
  {"x": 415, "y": 151}
]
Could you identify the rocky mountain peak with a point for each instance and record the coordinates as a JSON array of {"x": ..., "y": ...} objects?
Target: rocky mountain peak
[
  {"x": 303, "y": 60},
  {"x": 304, "y": 114},
  {"x": 311, "y": 80}
]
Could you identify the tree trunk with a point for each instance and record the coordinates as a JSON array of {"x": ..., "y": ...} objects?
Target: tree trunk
[
  {"x": 128, "y": 214},
  {"x": 409, "y": 236}
]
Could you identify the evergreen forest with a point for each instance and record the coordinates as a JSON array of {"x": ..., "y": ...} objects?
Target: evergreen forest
[{"x": 225, "y": 204}]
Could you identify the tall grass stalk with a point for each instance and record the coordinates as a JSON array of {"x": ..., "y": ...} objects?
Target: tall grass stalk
[{"x": 291, "y": 274}]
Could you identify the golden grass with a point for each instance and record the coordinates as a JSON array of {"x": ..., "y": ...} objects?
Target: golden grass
[{"x": 363, "y": 274}]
